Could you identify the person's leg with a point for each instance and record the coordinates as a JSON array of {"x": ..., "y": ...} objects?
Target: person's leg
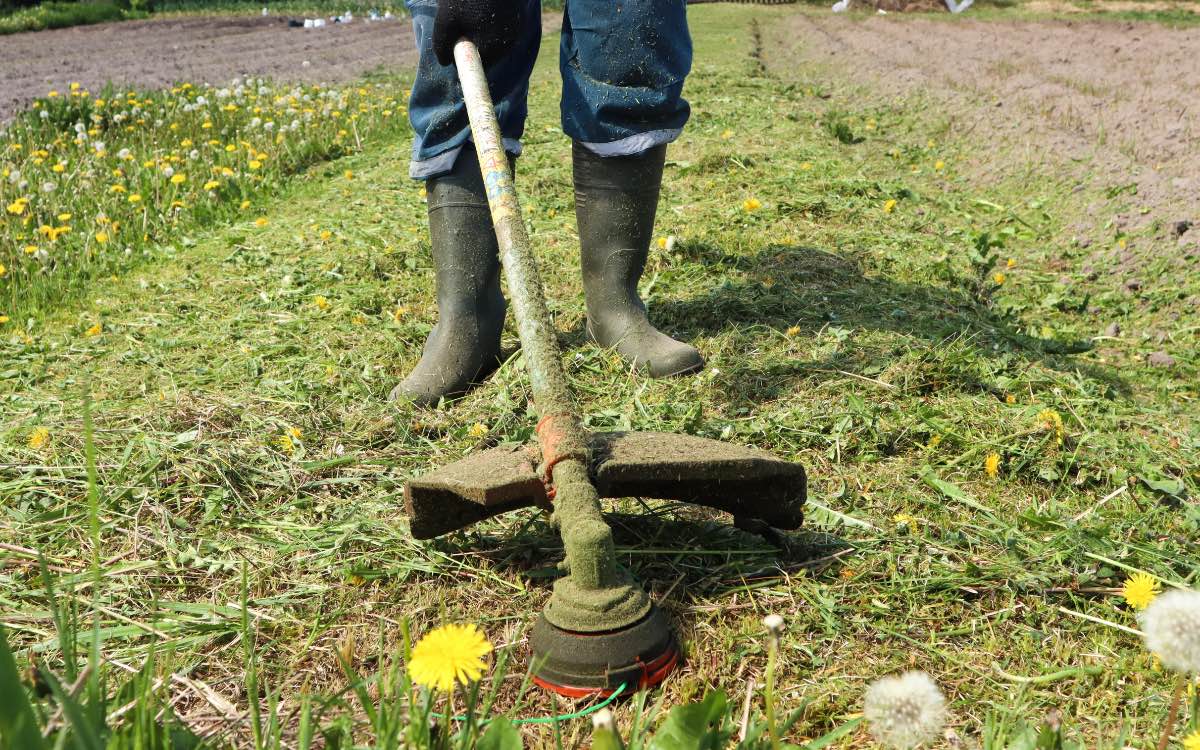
[
  {"x": 464, "y": 345},
  {"x": 435, "y": 106},
  {"x": 623, "y": 76}
]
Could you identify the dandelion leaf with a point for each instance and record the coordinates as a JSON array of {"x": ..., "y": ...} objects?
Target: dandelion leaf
[{"x": 500, "y": 735}]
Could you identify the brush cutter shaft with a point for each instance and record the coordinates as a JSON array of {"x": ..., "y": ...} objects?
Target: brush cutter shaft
[
  {"x": 539, "y": 344},
  {"x": 597, "y": 594}
]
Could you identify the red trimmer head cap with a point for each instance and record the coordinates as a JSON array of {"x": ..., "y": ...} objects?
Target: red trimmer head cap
[{"x": 581, "y": 664}]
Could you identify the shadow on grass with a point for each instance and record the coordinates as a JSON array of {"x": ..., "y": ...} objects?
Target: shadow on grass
[
  {"x": 811, "y": 290},
  {"x": 667, "y": 546}
]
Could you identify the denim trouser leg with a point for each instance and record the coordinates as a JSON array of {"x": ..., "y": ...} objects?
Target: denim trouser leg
[
  {"x": 623, "y": 65},
  {"x": 436, "y": 108}
]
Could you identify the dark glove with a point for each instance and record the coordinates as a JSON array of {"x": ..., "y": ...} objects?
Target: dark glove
[{"x": 491, "y": 24}]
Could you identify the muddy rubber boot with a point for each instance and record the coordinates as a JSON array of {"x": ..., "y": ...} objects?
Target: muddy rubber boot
[
  {"x": 464, "y": 346},
  {"x": 616, "y": 198}
]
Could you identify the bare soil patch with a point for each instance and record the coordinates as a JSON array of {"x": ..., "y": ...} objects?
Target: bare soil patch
[
  {"x": 164, "y": 51},
  {"x": 1110, "y": 103}
]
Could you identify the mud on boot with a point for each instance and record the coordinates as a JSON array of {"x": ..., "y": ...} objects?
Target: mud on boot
[
  {"x": 616, "y": 198},
  {"x": 464, "y": 346}
]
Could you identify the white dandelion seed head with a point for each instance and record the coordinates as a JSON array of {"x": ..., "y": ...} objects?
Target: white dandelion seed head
[
  {"x": 906, "y": 711},
  {"x": 123, "y": 154},
  {"x": 44, "y": 114},
  {"x": 201, "y": 100},
  {"x": 1172, "y": 627},
  {"x": 168, "y": 171},
  {"x": 22, "y": 184},
  {"x": 15, "y": 176},
  {"x": 194, "y": 154},
  {"x": 80, "y": 127},
  {"x": 222, "y": 93},
  {"x": 268, "y": 126},
  {"x": 603, "y": 719},
  {"x": 98, "y": 146},
  {"x": 49, "y": 187},
  {"x": 774, "y": 624}
]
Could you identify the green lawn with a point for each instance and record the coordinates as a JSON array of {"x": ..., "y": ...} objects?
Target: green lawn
[{"x": 881, "y": 316}]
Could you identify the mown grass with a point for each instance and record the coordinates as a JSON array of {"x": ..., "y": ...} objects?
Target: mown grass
[{"x": 853, "y": 320}]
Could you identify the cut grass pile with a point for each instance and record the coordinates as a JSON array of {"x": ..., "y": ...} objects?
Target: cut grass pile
[{"x": 987, "y": 468}]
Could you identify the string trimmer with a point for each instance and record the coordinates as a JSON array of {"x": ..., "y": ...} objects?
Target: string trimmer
[{"x": 599, "y": 630}]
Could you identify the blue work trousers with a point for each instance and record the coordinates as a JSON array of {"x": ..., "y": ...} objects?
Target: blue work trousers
[{"x": 623, "y": 63}]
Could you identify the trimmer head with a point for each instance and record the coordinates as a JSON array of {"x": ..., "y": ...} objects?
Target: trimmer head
[
  {"x": 746, "y": 482},
  {"x": 581, "y": 664}
]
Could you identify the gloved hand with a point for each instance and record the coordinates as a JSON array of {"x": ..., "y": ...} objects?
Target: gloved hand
[{"x": 491, "y": 24}]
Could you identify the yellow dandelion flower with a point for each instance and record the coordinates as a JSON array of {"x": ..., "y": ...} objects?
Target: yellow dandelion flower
[
  {"x": 662, "y": 243},
  {"x": 751, "y": 205},
  {"x": 999, "y": 278},
  {"x": 1140, "y": 590},
  {"x": 321, "y": 302},
  {"x": 478, "y": 430},
  {"x": 939, "y": 165},
  {"x": 286, "y": 444},
  {"x": 935, "y": 441},
  {"x": 295, "y": 432},
  {"x": 135, "y": 198},
  {"x": 904, "y": 519},
  {"x": 991, "y": 464},
  {"x": 349, "y": 174},
  {"x": 244, "y": 205},
  {"x": 4, "y": 319},
  {"x": 212, "y": 185},
  {"x": 64, "y": 217},
  {"x": 261, "y": 222},
  {"x": 1192, "y": 741},
  {"x": 1011, "y": 262},
  {"x": 326, "y": 234},
  {"x": 59, "y": 168},
  {"x": 102, "y": 237},
  {"x": 178, "y": 179},
  {"x": 39, "y": 438},
  {"x": 1052, "y": 421},
  {"x": 792, "y": 331},
  {"x": 449, "y": 654},
  {"x": 399, "y": 313},
  {"x": 359, "y": 319},
  {"x": 3, "y": 270},
  {"x": 95, "y": 330},
  {"x": 726, "y": 134},
  {"x": 17, "y": 207},
  {"x": 1010, "y": 398},
  {"x": 255, "y": 164},
  {"x": 806, "y": 165},
  {"x": 889, "y": 205}
]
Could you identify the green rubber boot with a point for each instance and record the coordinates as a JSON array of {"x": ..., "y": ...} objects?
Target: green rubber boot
[
  {"x": 616, "y": 198},
  {"x": 464, "y": 346}
]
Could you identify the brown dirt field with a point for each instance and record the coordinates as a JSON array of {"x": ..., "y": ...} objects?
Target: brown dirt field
[
  {"x": 163, "y": 51},
  {"x": 1105, "y": 103}
]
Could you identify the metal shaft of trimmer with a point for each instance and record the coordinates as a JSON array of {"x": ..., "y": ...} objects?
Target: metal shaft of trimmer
[{"x": 596, "y": 585}]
